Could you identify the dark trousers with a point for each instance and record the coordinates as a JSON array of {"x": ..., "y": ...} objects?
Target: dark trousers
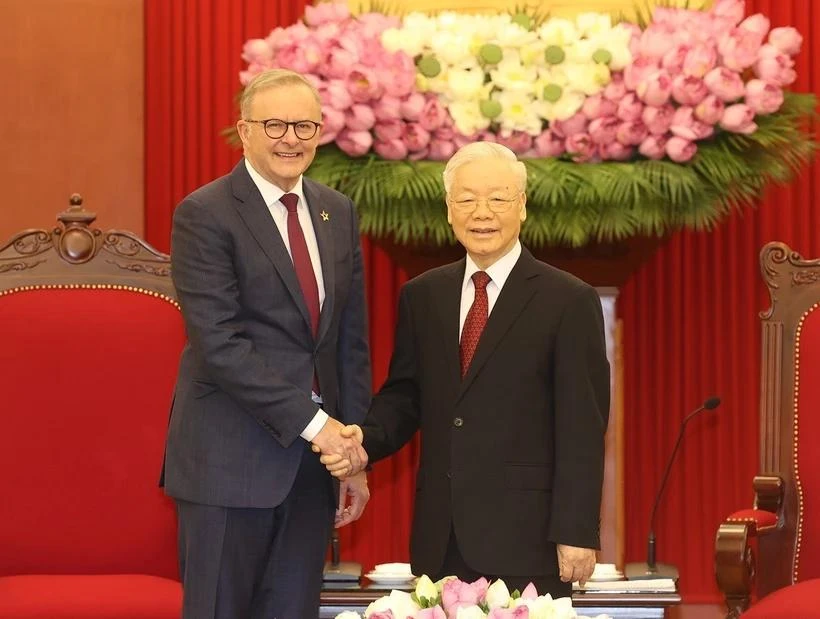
[
  {"x": 455, "y": 565},
  {"x": 246, "y": 563}
]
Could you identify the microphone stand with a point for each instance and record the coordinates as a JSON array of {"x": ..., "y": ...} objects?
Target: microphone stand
[
  {"x": 652, "y": 570},
  {"x": 340, "y": 573}
]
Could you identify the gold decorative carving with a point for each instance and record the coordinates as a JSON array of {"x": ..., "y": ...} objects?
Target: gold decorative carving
[
  {"x": 19, "y": 266},
  {"x": 136, "y": 267}
]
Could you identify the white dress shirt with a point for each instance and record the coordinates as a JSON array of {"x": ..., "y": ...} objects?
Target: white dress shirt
[
  {"x": 499, "y": 271},
  {"x": 271, "y": 195}
]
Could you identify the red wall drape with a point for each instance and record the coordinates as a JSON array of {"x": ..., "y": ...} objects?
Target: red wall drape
[
  {"x": 690, "y": 330},
  {"x": 689, "y": 315},
  {"x": 192, "y": 63}
]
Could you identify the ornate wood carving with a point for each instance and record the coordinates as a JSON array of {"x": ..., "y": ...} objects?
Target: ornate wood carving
[{"x": 74, "y": 252}]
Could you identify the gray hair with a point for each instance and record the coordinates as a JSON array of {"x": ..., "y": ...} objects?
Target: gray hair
[
  {"x": 273, "y": 78},
  {"x": 483, "y": 150}
]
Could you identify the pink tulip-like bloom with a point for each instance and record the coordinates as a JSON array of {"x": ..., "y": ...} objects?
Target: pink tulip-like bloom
[
  {"x": 334, "y": 93},
  {"x": 680, "y": 150},
  {"x": 616, "y": 89},
  {"x": 700, "y": 60},
  {"x": 631, "y": 133},
  {"x": 333, "y": 121},
  {"x": 725, "y": 83},
  {"x": 416, "y": 137},
  {"x": 685, "y": 125},
  {"x": 603, "y": 130},
  {"x": 382, "y": 614},
  {"x": 396, "y": 73},
  {"x": 457, "y": 594},
  {"x": 360, "y": 117},
  {"x": 432, "y": 114},
  {"x": 581, "y": 147},
  {"x": 392, "y": 149},
  {"x": 615, "y": 151},
  {"x": 656, "y": 89},
  {"x": 354, "y": 143},
  {"x": 762, "y": 97},
  {"x": 658, "y": 119},
  {"x": 441, "y": 150},
  {"x": 597, "y": 106},
  {"x": 257, "y": 51},
  {"x": 739, "y": 118},
  {"x": 387, "y": 108},
  {"x": 430, "y": 613},
  {"x": 326, "y": 12},
  {"x": 758, "y": 24},
  {"x": 547, "y": 144},
  {"x": 733, "y": 10},
  {"x": 710, "y": 110},
  {"x": 412, "y": 106},
  {"x": 576, "y": 123},
  {"x": 786, "y": 39},
  {"x": 363, "y": 85},
  {"x": 389, "y": 130},
  {"x": 738, "y": 49},
  {"x": 656, "y": 40},
  {"x": 529, "y": 592},
  {"x": 775, "y": 67},
  {"x": 653, "y": 147},
  {"x": 518, "y": 141},
  {"x": 630, "y": 107},
  {"x": 640, "y": 69},
  {"x": 519, "y": 612},
  {"x": 688, "y": 90},
  {"x": 673, "y": 60}
]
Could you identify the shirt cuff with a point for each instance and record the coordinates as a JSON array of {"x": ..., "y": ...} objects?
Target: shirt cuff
[{"x": 315, "y": 426}]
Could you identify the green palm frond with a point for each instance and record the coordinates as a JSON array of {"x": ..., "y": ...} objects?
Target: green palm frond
[{"x": 574, "y": 204}]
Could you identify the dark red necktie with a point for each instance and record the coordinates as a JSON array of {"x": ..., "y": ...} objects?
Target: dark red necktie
[
  {"x": 475, "y": 322},
  {"x": 301, "y": 260}
]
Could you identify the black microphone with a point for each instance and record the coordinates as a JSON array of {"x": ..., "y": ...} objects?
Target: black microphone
[{"x": 651, "y": 569}]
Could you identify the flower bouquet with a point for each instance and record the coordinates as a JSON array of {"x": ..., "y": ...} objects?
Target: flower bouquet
[
  {"x": 683, "y": 113},
  {"x": 451, "y": 598}
]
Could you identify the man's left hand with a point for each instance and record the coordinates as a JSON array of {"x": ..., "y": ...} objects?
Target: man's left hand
[
  {"x": 575, "y": 564},
  {"x": 353, "y": 489}
]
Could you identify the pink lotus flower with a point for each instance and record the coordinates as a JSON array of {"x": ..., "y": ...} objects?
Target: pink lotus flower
[
  {"x": 758, "y": 24},
  {"x": 412, "y": 107},
  {"x": 597, "y": 106},
  {"x": 431, "y": 613},
  {"x": 363, "y": 85},
  {"x": 529, "y": 592},
  {"x": 360, "y": 117},
  {"x": 775, "y": 67},
  {"x": 630, "y": 107},
  {"x": 389, "y": 130},
  {"x": 786, "y": 39},
  {"x": 577, "y": 123},
  {"x": 688, "y": 90},
  {"x": 631, "y": 133},
  {"x": 257, "y": 51},
  {"x": 603, "y": 130},
  {"x": 548, "y": 144},
  {"x": 392, "y": 149},
  {"x": 725, "y": 83},
  {"x": 333, "y": 121},
  {"x": 397, "y": 74},
  {"x": 416, "y": 137},
  {"x": 326, "y": 12},
  {"x": 653, "y": 147},
  {"x": 354, "y": 143},
  {"x": 738, "y": 49},
  {"x": 673, "y": 60},
  {"x": 518, "y": 141},
  {"x": 419, "y": 155},
  {"x": 638, "y": 71},
  {"x": 762, "y": 97},
  {"x": 387, "y": 108},
  {"x": 700, "y": 60},
  {"x": 658, "y": 119},
  {"x": 441, "y": 150},
  {"x": 680, "y": 150},
  {"x": 581, "y": 147},
  {"x": 616, "y": 89},
  {"x": 739, "y": 118},
  {"x": 656, "y": 40},
  {"x": 457, "y": 594},
  {"x": 382, "y": 614},
  {"x": 519, "y": 612},
  {"x": 655, "y": 89},
  {"x": 432, "y": 114},
  {"x": 710, "y": 110},
  {"x": 334, "y": 93},
  {"x": 685, "y": 125},
  {"x": 733, "y": 10},
  {"x": 616, "y": 151}
]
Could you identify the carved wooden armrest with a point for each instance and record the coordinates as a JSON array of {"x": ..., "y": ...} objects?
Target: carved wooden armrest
[{"x": 734, "y": 559}]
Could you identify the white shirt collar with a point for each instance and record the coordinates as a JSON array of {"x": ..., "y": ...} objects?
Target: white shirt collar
[
  {"x": 499, "y": 271},
  {"x": 270, "y": 192}
]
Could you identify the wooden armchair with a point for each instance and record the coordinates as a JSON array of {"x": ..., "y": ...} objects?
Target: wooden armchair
[
  {"x": 767, "y": 558},
  {"x": 90, "y": 337}
]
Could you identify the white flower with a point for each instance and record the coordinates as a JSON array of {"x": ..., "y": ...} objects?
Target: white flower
[
  {"x": 591, "y": 24},
  {"x": 348, "y": 614},
  {"x": 614, "y": 41},
  {"x": 518, "y": 112},
  {"x": 589, "y": 78},
  {"x": 399, "y": 602},
  {"x": 544, "y": 607},
  {"x": 467, "y": 117},
  {"x": 451, "y": 47},
  {"x": 465, "y": 83},
  {"x": 426, "y": 588},
  {"x": 558, "y": 31},
  {"x": 470, "y": 612},
  {"x": 510, "y": 74},
  {"x": 514, "y": 36},
  {"x": 412, "y": 42},
  {"x": 498, "y": 595},
  {"x": 562, "y": 109}
]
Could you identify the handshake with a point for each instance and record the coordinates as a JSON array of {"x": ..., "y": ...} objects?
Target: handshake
[{"x": 341, "y": 449}]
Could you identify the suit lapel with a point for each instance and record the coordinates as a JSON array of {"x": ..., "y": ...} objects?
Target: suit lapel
[
  {"x": 254, "y": 212},
  {"x": 324, "y": 239},
  {"x": 447, "y": 305},
  {"x": 512, "y": 301}
]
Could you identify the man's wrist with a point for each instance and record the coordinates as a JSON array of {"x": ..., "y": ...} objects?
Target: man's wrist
[{"x": 315, "y": 426}]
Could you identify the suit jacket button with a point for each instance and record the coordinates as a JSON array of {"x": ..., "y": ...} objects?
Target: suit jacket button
[
  {"x": 458, "y": 422},
  {"x": 449, "y": 474}
]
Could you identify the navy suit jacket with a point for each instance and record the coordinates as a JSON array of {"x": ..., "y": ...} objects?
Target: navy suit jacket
[
  {"x": 512, "y": 456},
  {"x": 243, "y": 391}
]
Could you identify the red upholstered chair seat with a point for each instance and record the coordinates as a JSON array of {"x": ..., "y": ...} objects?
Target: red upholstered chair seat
[
  {"x": 797, "y": 601},
  {"x": 122, "y": 596}
]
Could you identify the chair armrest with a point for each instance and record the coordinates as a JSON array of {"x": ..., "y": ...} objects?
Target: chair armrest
[{"x": 734, "y": 556}]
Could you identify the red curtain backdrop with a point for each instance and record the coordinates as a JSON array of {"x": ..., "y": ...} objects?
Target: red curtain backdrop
[
  {"x": 192, "y": 63},
  {"x": 689, "y": 315},
  {"x": 690, "y": 330}
]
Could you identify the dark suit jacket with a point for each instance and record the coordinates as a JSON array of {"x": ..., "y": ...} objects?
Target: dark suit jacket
[
  {"x": 243, "y": 392},
  {"x": 513, "y": 455}
]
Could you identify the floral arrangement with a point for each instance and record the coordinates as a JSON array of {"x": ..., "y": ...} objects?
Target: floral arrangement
[
  {"x": 451, "y": 598},
  {"x": 682, "y": 86}
]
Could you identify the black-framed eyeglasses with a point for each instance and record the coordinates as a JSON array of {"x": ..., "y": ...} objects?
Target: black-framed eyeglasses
[{"x": 275, "y": 128}]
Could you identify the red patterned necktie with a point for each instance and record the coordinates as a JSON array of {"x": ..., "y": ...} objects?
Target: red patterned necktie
[
  {"x": 475, "y": 322},
  {"x": 301, "y": 260}
]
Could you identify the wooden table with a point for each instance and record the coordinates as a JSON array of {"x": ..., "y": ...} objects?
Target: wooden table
[{"x": 616, "y": 605}]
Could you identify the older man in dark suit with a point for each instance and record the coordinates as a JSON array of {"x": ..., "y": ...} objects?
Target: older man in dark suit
[
  {"x": 500, "y": 361},
  {"x": 268, "y": 269}
]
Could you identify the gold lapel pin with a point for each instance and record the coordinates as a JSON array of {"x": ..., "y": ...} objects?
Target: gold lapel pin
[{"x": 325, "y": 216}]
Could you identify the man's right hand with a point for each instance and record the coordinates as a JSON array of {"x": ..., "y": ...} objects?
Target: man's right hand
[{"x": 341, "y": 448}]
